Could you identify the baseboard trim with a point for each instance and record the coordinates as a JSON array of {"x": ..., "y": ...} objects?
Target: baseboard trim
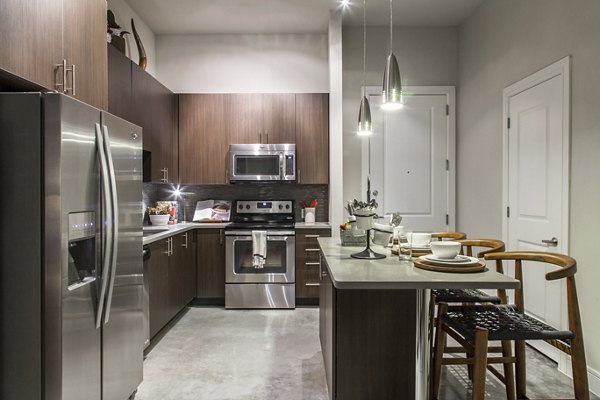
[{"x": 594, "y": 381}]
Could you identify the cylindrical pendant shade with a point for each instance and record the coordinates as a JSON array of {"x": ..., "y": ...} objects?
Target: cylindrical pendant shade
[
  {"x": 392, "y": 87},
  {"x": 365, "y": 127}
]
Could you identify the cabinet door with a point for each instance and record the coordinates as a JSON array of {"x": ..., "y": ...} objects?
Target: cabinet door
[
  {"x": 279, "y": 118},
  {"x": 158, "y": 276},
  {"x": 211, "y": 264},
  {"x": 183, "y": 267},
  {"x": 31, "y": 33},
  {"x": 307, "y": 264},
  {"x": 119, "y": 84},
  {"x": 312, "y": 138},
  {"x": 142, "y": 104},
  {"x": 161, "y": 120},
  {"x": 84, "y": 41},
  {"x": 203, "y": 139},
  {"x": 244, "y": 118}
]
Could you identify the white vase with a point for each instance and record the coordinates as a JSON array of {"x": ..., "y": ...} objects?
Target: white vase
[
  {"x": 364, "y": 223},
  {"x": 309, "y": 215}
]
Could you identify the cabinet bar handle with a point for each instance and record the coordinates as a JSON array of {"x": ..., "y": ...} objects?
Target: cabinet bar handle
[
  {"x": 267, "y": 137},
  {"x": 73, "y": 80},
  {"x": 186, "y": 242},
  {"x": 259, "y": 137},
  {"x": 312, "y": 284},
  {"x": 298, "y": 173},
  {"x": 311, "y": 250},
  {"x": 221, "y": 236},
  {"x": 164, "y": 172},
  {"x": 62, "y": 85},
  {"x": 312, "y": 263},
  {"x": 312, "y": 236}
]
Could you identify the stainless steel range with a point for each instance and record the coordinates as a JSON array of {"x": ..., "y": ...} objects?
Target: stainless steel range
[{"x": 274, "y": 285}]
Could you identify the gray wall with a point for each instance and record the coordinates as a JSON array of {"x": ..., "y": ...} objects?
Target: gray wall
[
  {"x": 426, "y": 56},
  {"x": 501, "y": 43}
]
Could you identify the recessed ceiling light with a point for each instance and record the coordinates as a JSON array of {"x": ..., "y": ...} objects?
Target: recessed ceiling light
[{"x": 345, "y": 3}]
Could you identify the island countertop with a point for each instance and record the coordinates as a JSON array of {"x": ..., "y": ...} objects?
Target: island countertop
[{"x": 390, "y": 273}]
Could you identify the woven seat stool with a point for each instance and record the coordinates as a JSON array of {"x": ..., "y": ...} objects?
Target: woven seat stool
[{"x": 473, "y": 326}]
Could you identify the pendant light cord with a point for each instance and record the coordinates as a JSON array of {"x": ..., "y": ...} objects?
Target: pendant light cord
[
  {"x": 391, "y": 27},
  {"x": 364, "y": 77}
]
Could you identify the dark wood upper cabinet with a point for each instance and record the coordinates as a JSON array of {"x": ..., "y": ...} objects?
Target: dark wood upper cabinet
[
  {"x": 84, "y": 41},
  {"x": 279, "y": 118},
  {"x": 37, "y": 35},
  {"x": 209, "y": 123},
  {"x": 243, "y": 114},
  {"x": 31, "y": 33},
  {"x": 119, "y": 85},
  {"x": 154, "y": 108},
  {"x": 312, "y": 138},
  {"x": 203, "y": 138}
]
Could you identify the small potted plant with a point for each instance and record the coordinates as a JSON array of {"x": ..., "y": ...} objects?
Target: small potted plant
[
  {"x": 160, "y": 214},
  {"x": 309, "y": 211}
]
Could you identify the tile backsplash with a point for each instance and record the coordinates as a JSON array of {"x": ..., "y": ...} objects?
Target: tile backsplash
[{"x": 153, "y": 192}]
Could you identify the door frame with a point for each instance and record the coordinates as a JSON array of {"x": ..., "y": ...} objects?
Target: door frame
[
  {"x": 559, "y": 68},
  {"x": 450, "y": 93}
]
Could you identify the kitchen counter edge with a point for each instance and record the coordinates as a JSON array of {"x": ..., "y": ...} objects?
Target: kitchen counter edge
[
  {"x": 390, "y": 273},
  {"x": 166, "y": 231}
]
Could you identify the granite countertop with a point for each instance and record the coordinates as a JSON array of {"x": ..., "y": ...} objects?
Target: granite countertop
[
  {"x": 316, "y": 225},
  {"x": 390, "y": 273},
  {"x": 165, "y": 231}
]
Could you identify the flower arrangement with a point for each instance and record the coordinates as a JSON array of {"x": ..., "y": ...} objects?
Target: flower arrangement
[
  {"x": 311, "y": 204},
  {"x": 161, "y": 209}
]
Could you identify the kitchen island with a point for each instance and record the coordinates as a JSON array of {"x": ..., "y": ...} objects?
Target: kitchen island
[{"x": 374, "y": 321}]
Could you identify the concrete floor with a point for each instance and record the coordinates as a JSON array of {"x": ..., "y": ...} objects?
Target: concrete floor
[{"x": 216, "y": 354}]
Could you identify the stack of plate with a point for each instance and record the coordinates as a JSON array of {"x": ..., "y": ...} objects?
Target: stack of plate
[{"x": 458, "y": 264}]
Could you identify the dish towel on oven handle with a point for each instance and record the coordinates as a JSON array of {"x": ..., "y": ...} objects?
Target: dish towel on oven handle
[{"x": 259, "y": 249}]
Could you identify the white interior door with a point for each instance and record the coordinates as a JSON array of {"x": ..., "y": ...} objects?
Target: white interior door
[
  {"x": 537, "y": 187},
  {"x": 408, "y": 159}
]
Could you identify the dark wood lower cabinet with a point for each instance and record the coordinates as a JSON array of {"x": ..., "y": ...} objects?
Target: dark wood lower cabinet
[
  {"x": 172, "y": 278},
  {"x": 158, "y": 275},
  {"x": 307, "y": 265},
  {"x": 211, "y": 265},
  {"x": 365, "y": 342}
]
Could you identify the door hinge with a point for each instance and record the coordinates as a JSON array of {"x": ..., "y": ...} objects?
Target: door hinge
[
  {"x": 447, "y": 219},
  {"x": 507, "y": 212},
  {"x": 508, "y": 123},
  {"x": 447, "y": 165},
  {"x": 447, "y": 109}
]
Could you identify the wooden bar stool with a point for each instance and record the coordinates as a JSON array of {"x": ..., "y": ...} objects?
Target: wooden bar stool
[
  {"x": 448, "y": 236},
  {"x": 467, "y": 296},
  {"x": 474, "y": 325}
]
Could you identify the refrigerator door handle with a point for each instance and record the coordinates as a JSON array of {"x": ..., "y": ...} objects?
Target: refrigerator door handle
[
  {"x": 107, "y": 226},
  {"x": 115, "y": 216}
]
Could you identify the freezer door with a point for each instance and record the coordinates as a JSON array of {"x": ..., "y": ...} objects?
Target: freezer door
[
  {"x": 72, "y": 246},
  {"x": 122, "y": 337}
]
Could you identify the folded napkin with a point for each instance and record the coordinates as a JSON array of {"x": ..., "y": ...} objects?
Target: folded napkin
[{"x": 259, "y": 249}]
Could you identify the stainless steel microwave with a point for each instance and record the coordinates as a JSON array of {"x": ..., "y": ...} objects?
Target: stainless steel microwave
[{"x": 262, "y": 162}]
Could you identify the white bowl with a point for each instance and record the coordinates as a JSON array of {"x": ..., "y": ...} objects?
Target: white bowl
[
  {"x": 381, "y": 238},
  {"x": 159, "y": 219},
  {"x": 447, "y": 250}
]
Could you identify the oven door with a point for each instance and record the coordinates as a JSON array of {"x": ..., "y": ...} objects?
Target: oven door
[
  {"x": 279, "y": 265},
  {"x": 256, "y": 166}
]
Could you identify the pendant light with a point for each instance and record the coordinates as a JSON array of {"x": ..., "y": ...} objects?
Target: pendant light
[
  {"x": 365, "y": 127},
  {"x": 392, "y": 87}
]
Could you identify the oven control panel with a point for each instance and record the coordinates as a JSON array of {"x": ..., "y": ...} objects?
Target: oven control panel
[{"x": 264, "y": 207}]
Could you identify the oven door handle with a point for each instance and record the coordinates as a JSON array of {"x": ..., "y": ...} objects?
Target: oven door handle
[{"x": 248, "y": 234}]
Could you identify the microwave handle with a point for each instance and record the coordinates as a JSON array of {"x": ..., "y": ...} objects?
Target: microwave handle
[{"x": 281, "y": 166}]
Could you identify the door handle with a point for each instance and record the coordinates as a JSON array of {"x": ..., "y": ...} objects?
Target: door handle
[
  {"x": 115, "y": 221},
  {"x": 552, "y": 242},
  {"x": 108, "y": 227}
]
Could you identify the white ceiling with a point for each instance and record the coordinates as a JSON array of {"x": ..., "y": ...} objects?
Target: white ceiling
[{"x": 290, "y": 16}]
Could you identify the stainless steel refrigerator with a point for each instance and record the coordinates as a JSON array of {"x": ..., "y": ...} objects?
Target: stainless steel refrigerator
[{"x": 71, "y": 277}]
